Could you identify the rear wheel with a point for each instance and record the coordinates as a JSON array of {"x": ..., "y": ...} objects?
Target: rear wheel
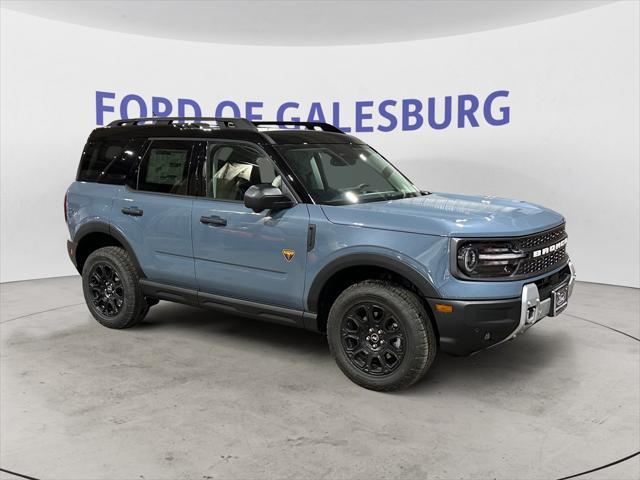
[
  {"x": 380, "y": 335},
  {"x": 110, "y": 282}
]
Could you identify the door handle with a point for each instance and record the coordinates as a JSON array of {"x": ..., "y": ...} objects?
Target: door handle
[
  {"x": 133, "y": 211},
  {"x": 214, "y": 220}
]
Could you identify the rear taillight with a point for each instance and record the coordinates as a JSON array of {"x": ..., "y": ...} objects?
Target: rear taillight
[{"x": 66, "y": 208}]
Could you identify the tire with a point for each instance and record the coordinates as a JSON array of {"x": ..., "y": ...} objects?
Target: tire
[
  {"x": 110, "y": 282},
  {"x": 372, "y": 322}
]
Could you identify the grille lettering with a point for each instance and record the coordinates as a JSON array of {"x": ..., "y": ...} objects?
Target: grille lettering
[{"x": 552, "y": 248}]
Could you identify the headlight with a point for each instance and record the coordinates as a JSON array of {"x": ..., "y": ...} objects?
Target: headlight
[
  {"x": 490, "y": 259},
  {"x": 468, "y": 259}
]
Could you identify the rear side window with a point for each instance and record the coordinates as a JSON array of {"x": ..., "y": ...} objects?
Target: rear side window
[
  {"x": 165, "y": 167},
  {"x": 108, "y": 160}
]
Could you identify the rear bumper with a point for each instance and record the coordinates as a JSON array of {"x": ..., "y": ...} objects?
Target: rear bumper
[
  {"x": 476, "y": 325},
  {"x": 71, "y": 250}
]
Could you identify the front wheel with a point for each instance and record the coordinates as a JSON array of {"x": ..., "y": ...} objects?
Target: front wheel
[{"x": 380, "y": 335}]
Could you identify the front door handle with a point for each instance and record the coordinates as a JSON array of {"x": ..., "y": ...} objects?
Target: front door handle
[
  {"x": 133, "y": 211},
  {"x": 214, "y": 220}
]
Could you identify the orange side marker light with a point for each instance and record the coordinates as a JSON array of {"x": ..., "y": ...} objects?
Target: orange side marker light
[{"x": 443, "y": 308}]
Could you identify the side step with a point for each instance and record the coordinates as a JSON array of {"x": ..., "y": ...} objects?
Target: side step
[{"x": 236, "y": 306}]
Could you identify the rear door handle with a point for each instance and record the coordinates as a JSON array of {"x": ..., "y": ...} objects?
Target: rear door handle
[
  {"x": 133, "y": 211},
  {"x": 214, "y": 220}
]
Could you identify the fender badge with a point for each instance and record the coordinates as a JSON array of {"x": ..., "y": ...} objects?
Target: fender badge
[{"x": 288, "y": 254}]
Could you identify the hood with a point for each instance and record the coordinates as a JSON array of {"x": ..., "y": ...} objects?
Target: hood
[{"x": 448, "y": 215}]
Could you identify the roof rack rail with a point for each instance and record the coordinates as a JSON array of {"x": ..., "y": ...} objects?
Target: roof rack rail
[
  {"x": 326, "y": 127},
  {"x": 222, "y": 122}
]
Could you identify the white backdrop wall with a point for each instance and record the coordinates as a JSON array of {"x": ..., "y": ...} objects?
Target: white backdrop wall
[{"x": 571, "y": 143}]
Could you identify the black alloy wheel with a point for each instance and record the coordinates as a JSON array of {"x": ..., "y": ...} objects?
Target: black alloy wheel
[
  {"x": 374, "y": 340},
  {"x": 107, "y": 289}
]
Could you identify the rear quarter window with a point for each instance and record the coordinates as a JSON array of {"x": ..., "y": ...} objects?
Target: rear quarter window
[{"x": 108, "y": 161}]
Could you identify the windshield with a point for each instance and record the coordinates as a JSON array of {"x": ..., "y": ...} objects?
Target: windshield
[{"x": 340, "y": 174}]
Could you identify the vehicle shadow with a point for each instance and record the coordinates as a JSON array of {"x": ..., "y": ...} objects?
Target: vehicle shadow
[
  {"x": 241, "y": 330},
  {"x": 527, "y": 356}
]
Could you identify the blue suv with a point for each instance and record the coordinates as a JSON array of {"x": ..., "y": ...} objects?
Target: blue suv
[{"x": 301, "y": 224}]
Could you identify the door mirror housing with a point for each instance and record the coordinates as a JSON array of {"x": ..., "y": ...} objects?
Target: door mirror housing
[{"x": 265, "y": 196}]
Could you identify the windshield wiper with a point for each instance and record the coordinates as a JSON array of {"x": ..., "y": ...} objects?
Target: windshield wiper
[{"x": 394, "y": 195}]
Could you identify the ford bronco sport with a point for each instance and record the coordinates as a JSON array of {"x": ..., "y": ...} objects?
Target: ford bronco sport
[{"x": 302, "y": 224}]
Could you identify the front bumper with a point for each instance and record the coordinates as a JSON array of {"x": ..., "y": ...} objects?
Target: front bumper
[{"x": 476, "y": 325}]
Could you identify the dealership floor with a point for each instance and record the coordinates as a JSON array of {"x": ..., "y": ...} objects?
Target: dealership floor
[{"x": 195, "y": 394}]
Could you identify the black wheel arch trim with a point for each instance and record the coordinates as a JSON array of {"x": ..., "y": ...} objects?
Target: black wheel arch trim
[
  {"x": 425, "y": 287},
  {"x": 97, "y": 226}
]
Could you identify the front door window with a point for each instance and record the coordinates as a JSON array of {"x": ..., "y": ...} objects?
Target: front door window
[{"x": 231, "y": 169}]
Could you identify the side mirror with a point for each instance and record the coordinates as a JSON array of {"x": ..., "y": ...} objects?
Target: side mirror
[{"x": 265, "y": 196}]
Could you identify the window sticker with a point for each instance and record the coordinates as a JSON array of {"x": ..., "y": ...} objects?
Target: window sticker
[{"x": 166, "y": 167}]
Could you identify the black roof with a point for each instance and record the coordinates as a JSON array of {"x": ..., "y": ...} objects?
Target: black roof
[
  {"x": 279, "y": 133},
  {"x": 289, "y": 137}
]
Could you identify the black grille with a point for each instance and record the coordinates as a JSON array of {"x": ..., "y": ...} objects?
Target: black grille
[
  {"x": 544, "y": 263},
  {"x": 541, "y": 239},
  {"x": 531, "y": 266}
]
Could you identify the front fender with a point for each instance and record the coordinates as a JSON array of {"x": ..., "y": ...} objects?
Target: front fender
[{"x": 389, "y": 259}]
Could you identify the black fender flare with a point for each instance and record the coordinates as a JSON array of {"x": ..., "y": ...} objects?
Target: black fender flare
[
  {"x": 97, "y": 226},
  {"x": 424, "y": 286}
]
